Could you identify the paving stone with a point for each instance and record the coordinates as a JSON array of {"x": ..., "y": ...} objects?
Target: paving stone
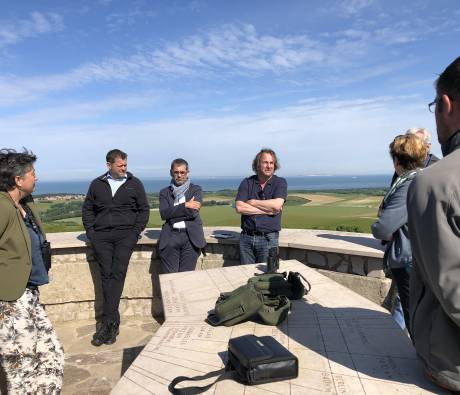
[
  {"x": 85, "y": 330},
  {"x": 96, "y": 370},
  {"x": 94, "y": 386},
  {"x": 74, "y": 374}
]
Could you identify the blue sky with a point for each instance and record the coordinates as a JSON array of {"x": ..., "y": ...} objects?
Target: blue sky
[{"x": 326, "y": 84}]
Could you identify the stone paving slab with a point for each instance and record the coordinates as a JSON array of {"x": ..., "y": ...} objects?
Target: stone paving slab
[
  {"x": 96, "y": 370},
  {"x": 345, "y": 343}
]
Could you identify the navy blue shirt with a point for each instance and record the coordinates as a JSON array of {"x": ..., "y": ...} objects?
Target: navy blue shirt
[
  {"x": 276, "y": 187},
  {"x": 38, "y": 274}
]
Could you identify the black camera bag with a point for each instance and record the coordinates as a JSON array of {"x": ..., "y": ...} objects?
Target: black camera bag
[
  {"x": 259, "y": 360},
  {"x": 251, "y": 360}
]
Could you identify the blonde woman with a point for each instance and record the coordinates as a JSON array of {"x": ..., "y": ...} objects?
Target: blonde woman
[{"x": 408, "y": 153}]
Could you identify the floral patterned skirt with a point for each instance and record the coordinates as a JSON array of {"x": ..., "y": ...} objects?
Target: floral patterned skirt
[{"x": 31, "y": 357}]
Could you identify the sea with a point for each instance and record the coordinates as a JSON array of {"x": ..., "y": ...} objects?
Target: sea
[{"x": 212, "y": 184}]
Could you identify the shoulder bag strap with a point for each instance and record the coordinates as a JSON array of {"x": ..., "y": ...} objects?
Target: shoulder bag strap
[{"x": 224, "y": 373}]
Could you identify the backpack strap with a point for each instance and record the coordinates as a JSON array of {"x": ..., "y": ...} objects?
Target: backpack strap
[
  {"x": 268, "y": 275},
  {"x": 308, "y": 287},
  {"x": 299, "y": 289}
]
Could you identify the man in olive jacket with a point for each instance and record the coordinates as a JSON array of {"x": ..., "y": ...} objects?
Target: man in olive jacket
[{"x": 434, "y": 225}]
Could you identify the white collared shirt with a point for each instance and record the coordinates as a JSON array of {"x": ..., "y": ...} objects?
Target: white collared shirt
[{"x": 181, "y": 224}]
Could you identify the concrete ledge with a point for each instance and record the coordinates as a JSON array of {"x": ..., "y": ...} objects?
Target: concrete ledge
[
  {"x": 361, "y": 244},
  {"x": 373, "y": 289},
  {"x": 75, "y": 291}
]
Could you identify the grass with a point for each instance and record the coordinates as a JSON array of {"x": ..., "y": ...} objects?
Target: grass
[
  {"x": 304, "y": 210},
  {"x": 328, "y": 217}
]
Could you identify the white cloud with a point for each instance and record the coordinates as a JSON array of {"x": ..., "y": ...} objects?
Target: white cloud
[
  {"x": 352, "y": 7},
  {"x": 12, "y": 32},
  {"x": 74, "y": 112},
  {"x": 231, "y": 51},
  {"x": 346, "y": 136},
  {"x": 119, "y": 20}
]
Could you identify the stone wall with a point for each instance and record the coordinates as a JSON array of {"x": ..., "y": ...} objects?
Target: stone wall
[
  {"x": 75, "y": 292},
  {"x": 336, "y": 262}
]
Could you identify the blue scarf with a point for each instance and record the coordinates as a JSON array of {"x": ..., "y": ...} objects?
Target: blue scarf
[{"x": 180, "y": 190}]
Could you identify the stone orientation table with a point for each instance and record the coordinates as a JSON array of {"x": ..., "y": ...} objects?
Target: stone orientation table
[{"x": 345, "y": 343}]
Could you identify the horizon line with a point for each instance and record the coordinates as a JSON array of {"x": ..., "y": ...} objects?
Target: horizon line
[{"x": 45, "y": 179}]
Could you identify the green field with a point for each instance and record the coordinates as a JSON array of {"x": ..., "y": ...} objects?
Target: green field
[{"x": 303, "y": 210}]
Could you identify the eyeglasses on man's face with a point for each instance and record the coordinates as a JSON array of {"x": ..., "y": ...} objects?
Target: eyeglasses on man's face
[
  {"x": 435, "y": 102},
  {"x": 432, "y": 105}
]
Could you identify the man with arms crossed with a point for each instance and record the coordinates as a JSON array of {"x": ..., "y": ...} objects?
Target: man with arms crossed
[
  {"x": 115, "y": 212},
  {"x": 182, "y": 237},
  {"x": 260, "y": 200},
  {"x": 434, "y": 223}
]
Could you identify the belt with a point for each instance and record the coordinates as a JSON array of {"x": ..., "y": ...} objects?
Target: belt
[
  {"x": 179, "y": 229},
  {"x": 256, "y": 233}
]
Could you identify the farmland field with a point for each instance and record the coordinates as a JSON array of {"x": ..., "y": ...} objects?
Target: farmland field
[{"x": 330, "y": 211}]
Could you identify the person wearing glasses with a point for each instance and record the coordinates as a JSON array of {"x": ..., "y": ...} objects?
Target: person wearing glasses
[
  {"x": 434, "y": 222},
  {"x": 114, "y": 213},
  {"x": 260, "y": 200},
  {"x": 31, "y": 357},
  {"x": 182, "y": 237}
]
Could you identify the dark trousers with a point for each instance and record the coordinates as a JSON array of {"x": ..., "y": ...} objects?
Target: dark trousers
[
  {"x": 179, "y": 255},
  {"x": 401, "y": 276},
  {"x": 113, "y": 251}
]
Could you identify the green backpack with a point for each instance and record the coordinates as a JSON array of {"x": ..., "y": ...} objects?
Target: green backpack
[
  {"x": 266, "y": 295},
  {"x": 246, "y": 302},
  {"x": 234, "y": 307}
]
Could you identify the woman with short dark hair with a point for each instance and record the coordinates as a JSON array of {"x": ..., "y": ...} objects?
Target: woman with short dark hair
[
  {"x": 408, "y": 153},
  {"x": 30, "y": 353}
]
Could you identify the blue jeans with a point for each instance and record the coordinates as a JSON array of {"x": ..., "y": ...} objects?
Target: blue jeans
[
  {"x": 398, "y": 313},
  {"x": 254, "y": 249}
]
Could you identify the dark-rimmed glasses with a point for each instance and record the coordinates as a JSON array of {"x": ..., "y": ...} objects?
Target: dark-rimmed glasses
[{"x": 432, "y": 105}]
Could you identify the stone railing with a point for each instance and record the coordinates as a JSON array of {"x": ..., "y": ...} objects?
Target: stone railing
[{"x": 352, "y": 259}]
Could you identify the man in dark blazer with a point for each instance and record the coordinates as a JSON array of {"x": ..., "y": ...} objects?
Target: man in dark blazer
[{"x": 182, "y": 237}]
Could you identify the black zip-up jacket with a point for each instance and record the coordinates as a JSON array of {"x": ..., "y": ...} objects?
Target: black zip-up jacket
[{"x": 128, "y": 209}]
